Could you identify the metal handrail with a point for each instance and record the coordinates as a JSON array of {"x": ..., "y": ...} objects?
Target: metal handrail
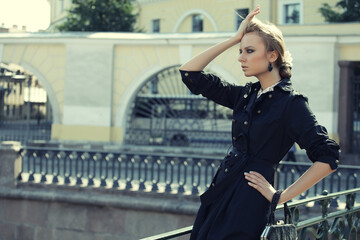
[
  {"x": 179, "y": 173},
  {"x": 302, "y": 226}
]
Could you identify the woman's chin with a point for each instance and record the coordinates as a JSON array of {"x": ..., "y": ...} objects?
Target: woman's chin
[{"x": 247, "y": 74}]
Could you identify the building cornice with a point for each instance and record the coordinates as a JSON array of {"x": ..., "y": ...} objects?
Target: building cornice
[{"x": 153, "y": 39}]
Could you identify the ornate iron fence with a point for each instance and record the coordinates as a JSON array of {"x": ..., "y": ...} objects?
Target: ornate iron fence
[
  {"x": 345, "y": 221},
  {"x": 167, "y": 173},
  {"x": 164, "y": 112}
]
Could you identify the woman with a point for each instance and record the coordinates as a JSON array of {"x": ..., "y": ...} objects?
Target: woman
[{"x": 268, "y": 117}]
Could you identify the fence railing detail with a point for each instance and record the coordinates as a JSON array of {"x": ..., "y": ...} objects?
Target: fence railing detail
[{"x": 169, "y": 173}]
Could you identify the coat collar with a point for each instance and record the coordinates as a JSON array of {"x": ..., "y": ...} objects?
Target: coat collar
[{"x": 284, "y": 84}]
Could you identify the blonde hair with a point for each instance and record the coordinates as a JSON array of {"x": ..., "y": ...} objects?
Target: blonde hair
[{"x": 274, "y": 41}]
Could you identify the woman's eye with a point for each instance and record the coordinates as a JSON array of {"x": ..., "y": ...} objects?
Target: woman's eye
[
  {"x": 249, "y": 51},
  {"x": 240, "y": 51}
]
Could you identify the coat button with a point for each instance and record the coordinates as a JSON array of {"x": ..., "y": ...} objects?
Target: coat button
[
  {"x": 236, "y": 155},
  {"x": 246, "y": 123},
  {"x": 245, "y": 96},
  {"x": 270, "y": 95},
  {"x": 245, "y": 107},
  {"x": 337, "y": 162},
  {"x": 258, "y": 111},
  {"x": 234, "y": 120},
  {"x": 234, "y": 138},
  {"x": 186, "y": 74},
  {"x": 213, "y": 184},
  {"x": 226, "y": 170},
  {"x": 229, "y": 154}
]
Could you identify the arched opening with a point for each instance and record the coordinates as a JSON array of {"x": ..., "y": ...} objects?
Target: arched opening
[
  {"x": 196, "y": 12},
  {"x": 165, "y": 113},
  {"x": 25, "y": 110}
]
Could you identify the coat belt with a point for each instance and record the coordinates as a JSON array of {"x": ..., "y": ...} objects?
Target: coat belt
[{"x": 237, "y": 171}]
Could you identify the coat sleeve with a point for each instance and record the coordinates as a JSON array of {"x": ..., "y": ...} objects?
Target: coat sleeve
[
  {"x": 305, "y": 130},
  {"x": 211, "y": 87}
]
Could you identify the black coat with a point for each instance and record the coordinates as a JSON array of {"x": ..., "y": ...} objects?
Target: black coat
[{"x": 263, "y": 131}]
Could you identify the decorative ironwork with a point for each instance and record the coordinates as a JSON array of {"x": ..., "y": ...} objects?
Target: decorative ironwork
[
  {"x": 191, "y": 175},
  {"x": 166, "y": 113},
  {"x": 345, "y": 221},
  {"x": 163, "y": 173},
  {"x": 25, "y": 112}
]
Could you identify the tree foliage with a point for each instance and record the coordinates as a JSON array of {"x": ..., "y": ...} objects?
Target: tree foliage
[
  {"x": 345, "y": 11},
  {"x": 100, "y": 16}
]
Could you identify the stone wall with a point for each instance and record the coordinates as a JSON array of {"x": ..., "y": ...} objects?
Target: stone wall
[
  {"x": 45, "y": 212},
  {"x": 44, "y": 220}
]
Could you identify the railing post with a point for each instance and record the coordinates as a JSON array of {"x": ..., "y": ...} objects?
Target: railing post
[
  {"x": 28, "y": 112},
  {"x": 10, "y": 163}
]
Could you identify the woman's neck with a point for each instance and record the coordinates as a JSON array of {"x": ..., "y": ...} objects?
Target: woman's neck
[{"x": 268, "y": 79}]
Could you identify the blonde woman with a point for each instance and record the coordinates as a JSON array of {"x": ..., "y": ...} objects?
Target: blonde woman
[{"x": 268, "y": 117}]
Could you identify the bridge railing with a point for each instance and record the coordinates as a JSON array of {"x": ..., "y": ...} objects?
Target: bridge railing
[
  {"x": 343, "y": 223},
  {"x": 153, "y": 172}
]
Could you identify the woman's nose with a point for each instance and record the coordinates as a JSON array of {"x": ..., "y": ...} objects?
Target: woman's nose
[{"x": 241, "y": 58}]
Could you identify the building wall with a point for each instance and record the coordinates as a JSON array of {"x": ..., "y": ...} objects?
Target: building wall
[
  {"x": 92, "y": 80},
  {"x": 175, "y": 16},
  {"x": 171, "y": 13},
  {"x": 58, "y": 12}
]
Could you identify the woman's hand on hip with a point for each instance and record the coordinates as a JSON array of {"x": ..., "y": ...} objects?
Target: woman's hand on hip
[
  {"x": 257, "y": 181},
  {"x": 241, "y": 31}
]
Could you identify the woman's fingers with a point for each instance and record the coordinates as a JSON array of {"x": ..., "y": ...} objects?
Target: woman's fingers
[
  {"x": 253, "y": 12},
  {"x": 240, "y": 33},
  {"x": 257, "y": 181},
  {"x": 258, "y": 175}
]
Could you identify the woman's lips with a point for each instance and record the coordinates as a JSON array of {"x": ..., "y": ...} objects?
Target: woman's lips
[{"x": 243, "y": 68}]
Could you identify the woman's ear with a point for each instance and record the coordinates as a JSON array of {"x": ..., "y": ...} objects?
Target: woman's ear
[{"x": 272, "y": 56}]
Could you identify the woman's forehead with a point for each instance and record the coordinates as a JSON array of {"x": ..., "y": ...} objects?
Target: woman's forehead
[{"x": 251, "y": 39}]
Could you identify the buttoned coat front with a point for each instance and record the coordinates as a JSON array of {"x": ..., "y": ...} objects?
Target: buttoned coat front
[{"x": 265, "y": 130}]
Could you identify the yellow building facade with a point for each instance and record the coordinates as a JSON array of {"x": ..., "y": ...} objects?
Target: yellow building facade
[
  {"x": 293, "y": 17},
  {"x": 221, "y": 16},
  {"x": 114, "y": 67},
  {"x": 218, "y": 15}
]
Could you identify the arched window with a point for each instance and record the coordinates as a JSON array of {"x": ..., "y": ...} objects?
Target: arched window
[{"x": 197, "y": 23}]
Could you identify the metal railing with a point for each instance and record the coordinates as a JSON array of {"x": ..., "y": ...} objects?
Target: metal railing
[
  {"x": 345, "y": 221},
  {"x": 168, "y": 173},
  {"x": 186, "y": 174}
]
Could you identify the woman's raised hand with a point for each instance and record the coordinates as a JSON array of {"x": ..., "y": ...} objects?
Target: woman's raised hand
[
  {"x": 200, "y": 61},
  {"x": 241, "y": 31}
]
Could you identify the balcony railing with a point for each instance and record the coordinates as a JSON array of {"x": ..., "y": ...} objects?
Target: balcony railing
[{"x": 152, "y": 172}]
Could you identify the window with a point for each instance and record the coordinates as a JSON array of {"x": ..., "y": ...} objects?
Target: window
[
  {"x": 290, "y": 12},
  {"x": 197, "y": 23},
  {"x": 155, "y": 26},
  {"x": 62, "y": 5},
  {"x": 240, "y": 16}
]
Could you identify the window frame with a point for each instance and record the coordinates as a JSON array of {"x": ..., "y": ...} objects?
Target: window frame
[
  {"x": 152, "y": 25},
  {"x": 237, "y": 17},
  {"x": 281, "y": 11},
  {"x": 193, "y": 20}
]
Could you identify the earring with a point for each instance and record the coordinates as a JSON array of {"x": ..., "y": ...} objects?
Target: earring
[{"x": 270, "y": 68}]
